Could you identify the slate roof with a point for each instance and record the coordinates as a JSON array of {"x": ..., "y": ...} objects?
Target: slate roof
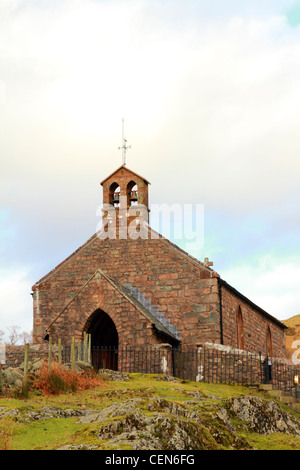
[{"x": 159, "y": 326}]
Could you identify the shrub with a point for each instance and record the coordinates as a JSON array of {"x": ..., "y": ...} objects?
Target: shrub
[{"x": 55, "y": 379}]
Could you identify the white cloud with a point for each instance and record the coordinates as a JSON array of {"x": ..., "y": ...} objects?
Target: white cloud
[
  {"x": 272, "y": 284},
  {"x": 15, "y": 300},
  {"x": 211, "y": 106}
]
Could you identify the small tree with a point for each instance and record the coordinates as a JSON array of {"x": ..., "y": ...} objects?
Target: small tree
[
  {"x": 14, "y": 336},
  {"x": 26, "y": 337}
]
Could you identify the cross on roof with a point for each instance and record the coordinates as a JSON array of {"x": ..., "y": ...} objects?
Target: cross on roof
[
  {"x": 124, "y": 146},
  {"x": 207, "y": 262}
]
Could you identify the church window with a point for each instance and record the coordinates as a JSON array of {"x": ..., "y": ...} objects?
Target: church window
[
  {"x": 240, "y": 329},
  {"x": 269, "y": 343}
]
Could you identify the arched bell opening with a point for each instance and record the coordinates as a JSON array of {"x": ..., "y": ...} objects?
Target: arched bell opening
[
  {"x": 132, "y": 194},
  {"x": 104, "y": 340},
  {"x": 114, "y": 195}
]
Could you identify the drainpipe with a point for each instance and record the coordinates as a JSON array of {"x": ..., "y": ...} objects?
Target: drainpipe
[{"x": 221, "y": 312}]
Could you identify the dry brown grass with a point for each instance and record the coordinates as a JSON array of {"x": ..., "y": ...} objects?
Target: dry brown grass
[
  {"x": 55, "y": 379},
  {"x": 6, "y": 434}
]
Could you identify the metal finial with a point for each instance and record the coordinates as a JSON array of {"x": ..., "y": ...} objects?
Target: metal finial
[{"x": 124, "y": 146}]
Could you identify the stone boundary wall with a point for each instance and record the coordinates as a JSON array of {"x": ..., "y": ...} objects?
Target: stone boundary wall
[
  {"x": 208, "y": 362},
  {"x": 14, "y": 355},
  {"x": 217, "y": 363}
]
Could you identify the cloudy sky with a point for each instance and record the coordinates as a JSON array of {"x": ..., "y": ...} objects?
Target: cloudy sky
[{"x": 211, "y": 99}]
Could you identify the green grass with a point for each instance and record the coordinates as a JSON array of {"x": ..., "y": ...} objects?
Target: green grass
[
  {"x": 45, "y": 435},
  {"x": 276, "y": 441},
  {"x": 57, "y": 432}
]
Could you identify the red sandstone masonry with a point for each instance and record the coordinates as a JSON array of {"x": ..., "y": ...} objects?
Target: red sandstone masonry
[
  {"x": 140, "y": 263},
  {"x": 255, "y": 326},
  {"x": 193, "y": 305},
  {"x": 183, "y": 288}
]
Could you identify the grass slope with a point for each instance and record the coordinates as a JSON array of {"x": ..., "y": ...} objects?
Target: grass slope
[{"x": 58, "y": 432}]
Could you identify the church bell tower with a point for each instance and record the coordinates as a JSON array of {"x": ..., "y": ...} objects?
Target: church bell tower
[{"x": 125, "y": 204}]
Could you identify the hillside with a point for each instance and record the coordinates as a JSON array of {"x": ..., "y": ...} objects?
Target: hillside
[
  {"x": 150, "y": 412},
  {"x": 292, "y": 334}
]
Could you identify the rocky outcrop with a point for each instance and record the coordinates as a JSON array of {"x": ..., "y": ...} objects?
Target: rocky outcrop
[
  {"x": 156, "y": 432},
  {"x": 12, "y": 377},
  {"x": 137, "y": 418},
  {"x": 159, "y": 424},
  {"x": 263, "y": 416},
  {"x": 27, "y": 414},
  {"x": 108, "y": 374}
]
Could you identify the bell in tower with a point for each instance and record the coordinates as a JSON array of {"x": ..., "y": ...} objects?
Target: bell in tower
[{"x": 125, "y": 204}]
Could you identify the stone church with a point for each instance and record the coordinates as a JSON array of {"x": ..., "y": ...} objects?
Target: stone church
[{"x": 128, "y": 285}]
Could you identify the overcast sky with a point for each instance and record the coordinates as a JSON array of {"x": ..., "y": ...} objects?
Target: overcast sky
[{"x": 211, "y": 99}]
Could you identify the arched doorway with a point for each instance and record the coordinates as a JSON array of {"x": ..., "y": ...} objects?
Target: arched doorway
[{"x": 104, "y": 339}]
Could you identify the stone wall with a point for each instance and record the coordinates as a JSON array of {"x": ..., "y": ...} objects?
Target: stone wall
[
  {"x": 255, "y": 326},
  {"x": 14, "y": 355},
  {"x": 184, "y": 291}
]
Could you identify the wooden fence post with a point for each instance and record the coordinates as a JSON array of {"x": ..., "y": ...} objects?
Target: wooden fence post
[
  {"x": 79, "y": 351},
  {"x": 26, "y": 358},
  {"x": 59, "y": 352},
  {"x": 73, "y": 354},
  {"x": 89, "y": 348},
  {"x": 84, "y": 346},
  {"x": 50, "y": 352}
]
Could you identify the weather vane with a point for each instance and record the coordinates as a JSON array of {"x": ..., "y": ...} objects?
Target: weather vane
[{"x": 124, "y": 147}]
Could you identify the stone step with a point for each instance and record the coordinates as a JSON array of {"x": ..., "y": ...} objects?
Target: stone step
[
  {"x": 154, "y": 309},
  {"x": 277, "y": 393},
  {"x": 147, "y": 303},
  {"x": 128, "y": 286},
  {"x": 266, "y": 387},
  {"x": 288, "y": 400},
  {"x": 296, "y": 406},
  {"x": 173, "y": 329}
]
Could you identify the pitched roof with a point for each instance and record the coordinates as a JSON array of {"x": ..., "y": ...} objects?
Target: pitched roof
[{"x": 124, "y": 166}]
